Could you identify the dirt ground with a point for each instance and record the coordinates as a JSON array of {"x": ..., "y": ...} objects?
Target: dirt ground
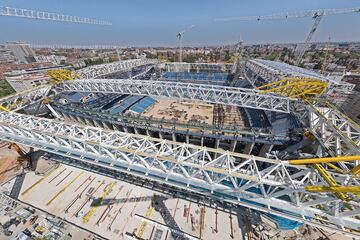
[
  {"x": 182, "y": 111},
  {"x": 8, "y": 165}
]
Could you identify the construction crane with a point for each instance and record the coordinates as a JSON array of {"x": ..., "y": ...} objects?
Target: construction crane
[
  {"x": 317, "y": 15},
  {"x": 34, "y": 14},
  {"x": 180, "y": 35}
]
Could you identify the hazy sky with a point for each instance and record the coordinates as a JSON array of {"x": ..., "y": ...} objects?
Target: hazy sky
[{"x": 156, "y": 22}]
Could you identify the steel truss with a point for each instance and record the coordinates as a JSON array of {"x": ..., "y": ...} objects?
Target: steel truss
[
  {"x": 109, "y": 68},
  {"x": 255, "y": 182},
  {"x": 272, "y": 71},
  {"x": 20, "y": 100},
  {"x": 103, "y": 120},
  {"x": 207, "y": 93},
  {"x": 338, "y": 134},
  {"x": 26, "y": 13},
  {"x": 335, "y": 132}
]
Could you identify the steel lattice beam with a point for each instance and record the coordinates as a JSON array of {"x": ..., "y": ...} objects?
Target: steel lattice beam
[
  {"x": 34, "y": 14},
  {"x": 338, "y": 134},
  {"x": 109, "y": 68},
  {"x": 272, "y": 71},
  {"x": 20, "y": 100},
  {"x": 334, "y": 131},
  {"x": 212, "y": 94},
  {"x": 278, "y": 186}
]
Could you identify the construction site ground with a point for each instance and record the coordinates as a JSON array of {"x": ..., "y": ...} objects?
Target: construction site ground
[
  {"x": 8, "y": 163},
  {"x": 182, "y": 111},
  {"x": 130, "y": 204}
]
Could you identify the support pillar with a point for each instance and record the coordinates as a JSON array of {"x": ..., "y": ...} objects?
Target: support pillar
[
  {"x": 161, "y": 135},
  {"x": 148, "y": 132},
  {"x": 52, "y": 110},
  {"x": 126, "y": 129},
  {"x": 248, "y": 148},
  {"x": 137, "y": 131},
  {"x": 265, "y": 149},
  {"x": 233, "y": 145},
  {"x": 217, "y": 143}
]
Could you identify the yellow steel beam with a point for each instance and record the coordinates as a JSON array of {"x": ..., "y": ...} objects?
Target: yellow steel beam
[
  {"x": 202, "y": 222},
  {"x": 39, "y": 181},
  {"x": 4, "y": 109},
  {"x": 63, "y": 190},
  {"x": 324, "y": 160},
  {"x": 59, "y": 75},
  {"x": 356, "y": 170},
  {"x": 331, "y": 181},
  {"x": 342, "y": 189},
  {"x": 295, "y": 87},
  {"x": 148, "y": 214},
  {"x": 105, "y": 193},
  {"x": 335, "y": 167}
]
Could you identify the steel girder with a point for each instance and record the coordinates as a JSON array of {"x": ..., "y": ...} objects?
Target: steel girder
[
  {"x": 138, "y": 76},
  {"x": 241, "y": 97},
  {"x": 109, "y": 68},
  {"x": 335, "y": 132},
  {"x": 162, "y": 125},
  {"x": 273, "y": 71},
  {"x": 20, "y": 100},
  {"x": 338, "y": 134},
  {"x": 264, "y": 184}
]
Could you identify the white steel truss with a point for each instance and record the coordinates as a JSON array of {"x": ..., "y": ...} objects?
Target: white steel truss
[
  {"x": 34, "y": 14},
  {"x": 335, "y": 132},
  {"x": 20, "y": 100},
  {"x": 241, "y": 97},
  {"x": 272, "y": 71},
  {"x": 338, "y": 134},
  {"x": 109, "y": 68},
  {"x": 263, "y": 184}
]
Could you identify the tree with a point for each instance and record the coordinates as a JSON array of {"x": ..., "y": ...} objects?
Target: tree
[{"x": 227, "y": 56}]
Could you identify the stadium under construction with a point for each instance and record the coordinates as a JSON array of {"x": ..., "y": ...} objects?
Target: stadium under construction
[{"x": 259, "y": 134}]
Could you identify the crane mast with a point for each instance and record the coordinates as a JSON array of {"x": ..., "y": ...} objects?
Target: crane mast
[
  {"x": 180, "y": 35},
  {"x": 303, "y": 47},
  {"x": 317, "y": 15}
]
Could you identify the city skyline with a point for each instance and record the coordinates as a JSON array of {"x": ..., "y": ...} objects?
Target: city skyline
[{"x": 148, "y": 27}]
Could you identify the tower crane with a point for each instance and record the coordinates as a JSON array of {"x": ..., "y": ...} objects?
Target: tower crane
[
  {"x": 317, "y": 15},
  {"x": 34, "y": 14},
  {"x": 180, "y": 35}
]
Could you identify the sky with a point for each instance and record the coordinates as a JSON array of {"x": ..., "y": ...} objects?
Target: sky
[{"x": 156, "y": 22}]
